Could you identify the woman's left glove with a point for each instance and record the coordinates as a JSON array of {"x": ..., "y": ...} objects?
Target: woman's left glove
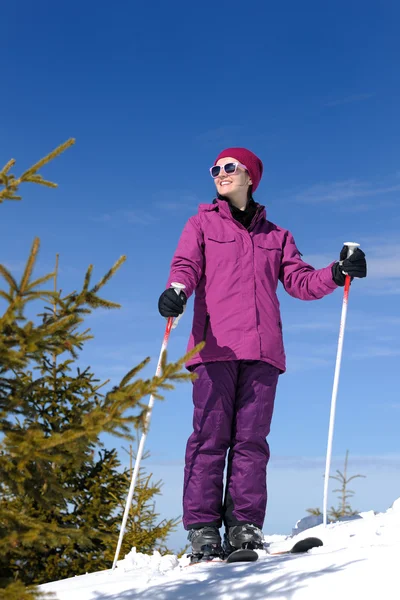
[{"x": 355, "y": 266}]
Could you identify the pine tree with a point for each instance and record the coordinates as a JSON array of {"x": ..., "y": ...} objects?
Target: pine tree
[
  {"x": 144, "y": 530},
  {"x": 344, "y": 509},
  {"x": 316, "y": 512},
  {"x": 60, "y": 491}
]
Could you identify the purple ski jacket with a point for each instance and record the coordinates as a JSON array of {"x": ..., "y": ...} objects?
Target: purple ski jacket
[{"x": 234, "y": 273}]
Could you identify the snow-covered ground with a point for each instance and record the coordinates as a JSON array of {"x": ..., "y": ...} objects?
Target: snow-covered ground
[{"x": 359, "y": 560}]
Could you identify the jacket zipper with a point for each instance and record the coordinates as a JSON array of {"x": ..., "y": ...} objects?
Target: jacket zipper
[{"x": 206, "y": 327}]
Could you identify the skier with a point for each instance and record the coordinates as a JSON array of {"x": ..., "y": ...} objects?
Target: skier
[{"x": 232, "y": 257}]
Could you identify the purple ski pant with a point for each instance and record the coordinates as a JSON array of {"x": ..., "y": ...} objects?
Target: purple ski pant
[{"x": 233, "y": 407}]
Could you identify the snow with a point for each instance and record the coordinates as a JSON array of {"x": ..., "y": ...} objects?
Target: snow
[{"x": 359, "y": 559}]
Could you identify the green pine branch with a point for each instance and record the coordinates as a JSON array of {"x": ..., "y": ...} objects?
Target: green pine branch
[{"x": 11, "y": 184}]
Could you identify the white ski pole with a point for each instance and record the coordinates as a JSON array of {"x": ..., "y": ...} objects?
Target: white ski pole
[
  {"x": 351, "y": 246},
  {"x": 178, "y": 287}
]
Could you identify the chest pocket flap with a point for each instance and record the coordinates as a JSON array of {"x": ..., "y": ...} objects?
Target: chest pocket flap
[
  {"x": 221, "y": 247},
  {"x": 221, "y": 237}
]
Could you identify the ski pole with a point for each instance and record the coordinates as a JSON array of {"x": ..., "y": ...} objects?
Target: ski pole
[
  {"x": 178, "y": 287},
  {"x": 351, "y": 246}
]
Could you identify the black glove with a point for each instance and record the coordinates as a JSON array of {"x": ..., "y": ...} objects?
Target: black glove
[
  {"x": 170, "y": 304},
  {"x": 355, "y": 266}
]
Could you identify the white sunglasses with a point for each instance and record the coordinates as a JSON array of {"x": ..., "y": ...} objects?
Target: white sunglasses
[{"x": 229, "y": 169}]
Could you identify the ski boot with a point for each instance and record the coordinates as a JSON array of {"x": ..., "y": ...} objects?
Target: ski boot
[
  {"x": 243, "y": 537},
  {"x": 206, "y": 544}
]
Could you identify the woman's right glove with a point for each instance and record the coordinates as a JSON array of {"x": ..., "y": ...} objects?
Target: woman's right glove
[{"x": 170, "y": 304}]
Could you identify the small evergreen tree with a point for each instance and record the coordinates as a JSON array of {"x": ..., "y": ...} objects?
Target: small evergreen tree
[
  {"x": 344, "y": 509},
  {"x": 144, "y": 530},
  {"x": 60, "y": 491},
  {"x": 316, "y": 512}
]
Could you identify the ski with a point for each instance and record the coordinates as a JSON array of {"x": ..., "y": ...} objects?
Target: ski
[
  {"x": 242, "y": 555},
  {"x": 247, "y": 555},
  {"x": 299, "y": 547}
]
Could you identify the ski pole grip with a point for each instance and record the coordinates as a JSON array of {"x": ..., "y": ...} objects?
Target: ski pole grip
[
  {"x": 351, "y": 246},
  {"x": 178, "y": 287}
]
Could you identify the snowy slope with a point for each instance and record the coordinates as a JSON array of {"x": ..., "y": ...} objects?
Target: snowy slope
[{"x": 359, "y": 560}]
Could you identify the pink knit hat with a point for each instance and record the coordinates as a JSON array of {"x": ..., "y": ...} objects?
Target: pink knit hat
[{"x": 252, "y": 163}]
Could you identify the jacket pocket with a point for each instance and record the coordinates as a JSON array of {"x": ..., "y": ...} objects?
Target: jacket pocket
[
  {"x": 268, "y": 258},
  {"x": 220, "y": 248}
]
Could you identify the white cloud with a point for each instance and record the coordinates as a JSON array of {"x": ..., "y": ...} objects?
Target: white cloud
[
  {"x": 139, "y": 217},
  {"x": 376, "y": 352},
  {"x": 386, "y": 338},
  {"x": 303, "y": 363},
  {"x": 360, "y": 321},
  {"x": 311, "y": 326},
  {"x": 382, "y": 269},
  {"x": 219, "y": 134},
  {"x": 387, "y": 320},
  {"x": 176, "y": 200},
  {"x": 383, "y": 261},
  {"x": 318, "y": 261},
  {"x": 391, "y": 461},
  {"x": 389, "y": 288},
  {"x": 175, "y": 206},
  {"x": 359, "y": 208},
  {"x": 341, "y": 191},
  {"x": 103, "y": 218},
  {"x": 349, "y": 99}
]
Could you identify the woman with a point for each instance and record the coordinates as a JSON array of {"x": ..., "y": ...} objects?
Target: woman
[{"x": 232, "y": 257}]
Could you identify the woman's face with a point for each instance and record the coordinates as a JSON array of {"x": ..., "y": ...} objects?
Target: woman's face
[{"x": 235, "y": 184}]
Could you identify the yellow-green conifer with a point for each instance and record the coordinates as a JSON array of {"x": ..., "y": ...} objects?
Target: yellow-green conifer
[{"x": 60, "y": 491}]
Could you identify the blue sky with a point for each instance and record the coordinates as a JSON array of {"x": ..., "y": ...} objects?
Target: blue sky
[{"x": 152, "y": 94}]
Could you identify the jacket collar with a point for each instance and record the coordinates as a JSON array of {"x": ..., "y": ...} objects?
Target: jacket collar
[{"x": 222, "y": 207}]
